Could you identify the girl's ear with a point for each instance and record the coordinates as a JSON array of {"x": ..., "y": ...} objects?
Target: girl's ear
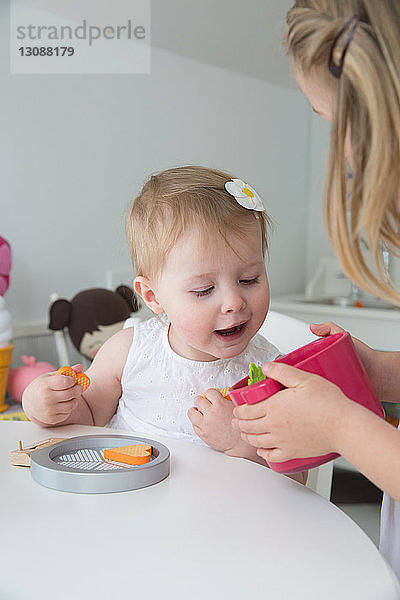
[{"x": 145, "y": 290}]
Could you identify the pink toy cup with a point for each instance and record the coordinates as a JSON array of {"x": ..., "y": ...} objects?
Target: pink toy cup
[{"x": 334, "y": 358}]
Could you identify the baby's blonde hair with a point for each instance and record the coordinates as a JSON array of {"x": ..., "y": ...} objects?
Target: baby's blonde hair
[
  {"x": 367, "y": 97},
  {"x": 174, "y": 201}
]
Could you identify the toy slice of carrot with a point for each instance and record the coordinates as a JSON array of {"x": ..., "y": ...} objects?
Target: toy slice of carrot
[{"x": 137, "y": 454}]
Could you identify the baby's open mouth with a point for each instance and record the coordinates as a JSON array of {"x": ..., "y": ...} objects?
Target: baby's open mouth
[{"x": 230, "y": 330}]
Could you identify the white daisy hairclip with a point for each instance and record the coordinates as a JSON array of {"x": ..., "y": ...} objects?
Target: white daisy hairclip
[{"x": 244, "y": 194}]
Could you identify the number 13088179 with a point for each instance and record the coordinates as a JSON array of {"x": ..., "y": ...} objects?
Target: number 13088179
[{"x": 46, "y": 50}]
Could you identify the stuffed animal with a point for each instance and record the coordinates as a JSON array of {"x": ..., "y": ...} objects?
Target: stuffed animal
[
  {"x": 20, "y": 377},
  {"x": 93, "y": 316}
]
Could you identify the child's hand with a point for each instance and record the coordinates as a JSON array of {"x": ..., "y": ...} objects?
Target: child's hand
[
  {"x": 303, "y": 420},
  {"x": 211, "y": 419},
  {"x": 51, "y": 398},
  {"x": 323, "y": 329},
  {"x": 369, "y": 357}
]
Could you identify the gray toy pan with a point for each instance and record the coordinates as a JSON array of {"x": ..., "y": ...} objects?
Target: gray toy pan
[{"x": 77, "y": 465}]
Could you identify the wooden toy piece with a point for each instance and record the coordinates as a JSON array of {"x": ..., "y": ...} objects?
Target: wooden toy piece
[
  {"x": 83, "y": 380},
  {"x": 225, "y": 393},
  {"x": 137, "y": 454},
  {"x": 66, "y": 371},
  {"x": 22, "y": 456},
  {"x": 80, "y": 378}
]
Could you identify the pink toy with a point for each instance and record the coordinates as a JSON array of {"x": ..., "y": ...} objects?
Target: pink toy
[
  {"x": 333, "y": 357},
  {"x": 20, "y": 377},
  {"x": 5, "y": 265}
]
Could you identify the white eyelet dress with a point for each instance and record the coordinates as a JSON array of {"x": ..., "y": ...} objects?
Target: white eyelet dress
[{"x": 159, "y": 386}]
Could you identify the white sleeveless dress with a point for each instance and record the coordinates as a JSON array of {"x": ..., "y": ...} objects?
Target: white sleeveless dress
[{"x": 159, "y": 386}]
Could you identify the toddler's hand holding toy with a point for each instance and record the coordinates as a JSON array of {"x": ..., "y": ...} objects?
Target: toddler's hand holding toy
[
  {"x": 50, "y": 399},
  {"x": 212, "y": 421},
  {"x": 211, "y": 418}
]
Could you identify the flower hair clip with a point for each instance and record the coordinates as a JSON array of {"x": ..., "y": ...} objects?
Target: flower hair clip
[{"x": 244, "y": 194}]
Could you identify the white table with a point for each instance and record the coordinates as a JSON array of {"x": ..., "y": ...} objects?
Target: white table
[{"x": 216, "y": 528}]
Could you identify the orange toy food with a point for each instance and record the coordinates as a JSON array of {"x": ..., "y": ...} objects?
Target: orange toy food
[
  {"x": 138, "y": 454},
  {"x": 80, "y": 378},
  {"x": 225, "y": 393}
]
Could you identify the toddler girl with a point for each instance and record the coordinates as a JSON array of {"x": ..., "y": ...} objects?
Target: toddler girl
[{"x": 198, "y": 241}]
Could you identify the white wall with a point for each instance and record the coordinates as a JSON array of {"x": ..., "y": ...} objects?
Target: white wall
[{"x": 75, "y": 148}]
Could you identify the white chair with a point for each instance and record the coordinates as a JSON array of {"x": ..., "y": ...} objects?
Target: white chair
[{"x": 287, "y": 334}]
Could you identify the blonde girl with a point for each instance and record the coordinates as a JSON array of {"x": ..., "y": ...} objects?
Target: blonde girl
[{"x": 346, "y": 59}]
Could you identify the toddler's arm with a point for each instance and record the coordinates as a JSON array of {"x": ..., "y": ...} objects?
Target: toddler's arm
[
  {"x": 211, "y": 418},
  {"x": 54, "y": 399}
]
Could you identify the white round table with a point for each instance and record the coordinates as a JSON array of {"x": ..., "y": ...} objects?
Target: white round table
[{"x": 217, "y": 527}]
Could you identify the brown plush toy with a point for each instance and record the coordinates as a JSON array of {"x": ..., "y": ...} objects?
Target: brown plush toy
[{"x": 93, "y": 316}]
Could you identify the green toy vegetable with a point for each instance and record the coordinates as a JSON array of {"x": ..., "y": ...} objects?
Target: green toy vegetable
[{"x": 255, "y": 374}]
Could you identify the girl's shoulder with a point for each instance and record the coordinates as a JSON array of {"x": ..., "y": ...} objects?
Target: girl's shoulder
[
  {"x": 119, "y": 342},
  {"x": 148, "y": 337},
  {"x": 112, "y": 355},
  {"x": 149, "y": 330}
]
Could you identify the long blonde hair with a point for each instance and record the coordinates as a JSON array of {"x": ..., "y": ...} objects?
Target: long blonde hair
[
  {"x": 367, "y": 99},
  {"x": 176, "y": 200}
]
